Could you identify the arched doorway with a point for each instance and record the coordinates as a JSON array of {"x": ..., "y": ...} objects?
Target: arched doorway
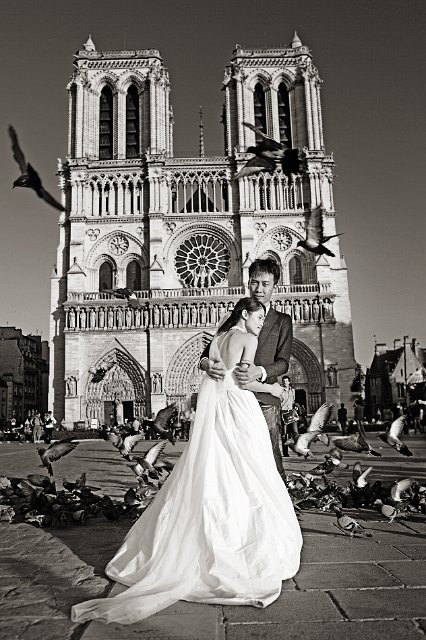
[
  {"x": 116, "y": 389},
  {"x": 306, "y": 376},
  {"x": 183, "y": 377}
]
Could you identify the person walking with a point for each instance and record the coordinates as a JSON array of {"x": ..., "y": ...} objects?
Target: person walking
[
  {"x": 49, "y": 425},
  {"x": 289, "y": 416},
  {"x": 359, "y": 417},
  {"x": 273, "y": 351},
  {"x": 342, "y": 419},
  {"x": 37, "y": 423}
]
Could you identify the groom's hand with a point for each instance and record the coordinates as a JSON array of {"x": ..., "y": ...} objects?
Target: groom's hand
[
  {"x": 245, "y": 373},
  {"x": 214, "y": 368}
]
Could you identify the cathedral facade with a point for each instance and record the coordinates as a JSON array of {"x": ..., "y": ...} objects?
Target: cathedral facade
[{"x": 182, "y": 233}]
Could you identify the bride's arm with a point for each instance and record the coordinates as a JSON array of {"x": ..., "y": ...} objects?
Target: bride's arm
[{"x": 249, "y": 351}]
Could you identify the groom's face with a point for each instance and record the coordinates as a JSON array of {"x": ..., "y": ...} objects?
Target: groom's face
[{"x": 261, "y": 286}]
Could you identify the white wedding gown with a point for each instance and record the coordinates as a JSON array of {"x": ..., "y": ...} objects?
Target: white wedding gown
[{"x": 222, "y": 529}]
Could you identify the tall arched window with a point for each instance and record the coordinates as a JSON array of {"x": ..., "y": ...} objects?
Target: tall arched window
[
  {"x": 106, "y": 276},
  {"x": 132, "y": 123},
  {"x": 134, "y": 276},
  {"x": 259, "y": 110},
  {"x": 295, "y": 270},
  {"x": 106, "y": 127},
  {"x": 73, "y": 148},
  {"x": 284, "y": 119}
]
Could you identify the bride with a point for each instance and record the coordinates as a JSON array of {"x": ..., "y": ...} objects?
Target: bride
[{"x": 222, "y": 529}]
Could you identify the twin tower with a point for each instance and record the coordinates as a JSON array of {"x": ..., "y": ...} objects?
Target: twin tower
[{"x": 182, "y": 233}]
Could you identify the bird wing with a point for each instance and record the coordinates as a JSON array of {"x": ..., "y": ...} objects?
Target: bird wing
[
  {"x": 163, "y": 416},
  {"x": 314, "y": 228},
  {"x": 45, "y": 195},
  {"x": 121, "y": 293},
  {"x": 290, "y": 163},
  {"x": 400, "y": 487},
  {"x": 18, "y": 154},
  {"x": 334, "y": 453},
  {"x": 130, "y": 442},
  {"x": 397, "y": 427},
  {"x": 272, "y": 144},
  {"x": 255, "y": 165},
  {"x": 116, "y": 440},
  {"x": 347, "y": 443},
  {"x": 38, "y": 480},
  {"x": 153, "y": 453},
  {"x": 362, "y": 479},
  {"x": 305, "y": 439},
  {"x": 59, "y": 449},
  {"x": 321, "y": 417},
  {"x": 356, "y": 471}
]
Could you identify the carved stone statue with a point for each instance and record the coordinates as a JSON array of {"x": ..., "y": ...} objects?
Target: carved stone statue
[
  {"x": 146, "y": 316},
  {"x": 110, "y": 318},
  {"x": 332, "y": 376},
  {"x": 296, "y": 311},
  {"x": 82, "y": 319},
  {"x": 213, "y": 313},
  {"x": 101, "y": 318},
  {"x": 305, "y": 311},
  {"x": 71, "y": 319},
  {"x": 71, "y": 385},
  {"x": 137, "y": 318},
  {"x": 194, "y": 315},
  {"x": 156, "y": 315},
  {"x": 315, "y": 311},
  {"x": 203, "y": 314},
  {"x": 327, "y": 310},
  {"x": 128, "y": 317},
  {"x": 222, "y": 310},
  {"x": 175, "y": 315},
  {"x": 92, "y": 319},
  {"x": 119, "y": 317},
  {"x": 287, "y": 307},
  {"x": 185, "y": 315},
  {"x": 166, "y": 315}
]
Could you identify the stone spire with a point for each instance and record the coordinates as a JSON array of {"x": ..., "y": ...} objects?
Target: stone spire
[
  {"x": 89, "y": 45},
  {"x": 296, "y": 42},
  {"x": 201, "y": 134}
]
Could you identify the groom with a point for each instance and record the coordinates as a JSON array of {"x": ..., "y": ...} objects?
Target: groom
[{"x": 273, "y": 351}]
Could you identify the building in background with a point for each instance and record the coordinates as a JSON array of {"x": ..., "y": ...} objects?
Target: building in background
[
  {"x": 388, "y": 379},
  {"x": 24, "y": 374},
  {"x": 182, "y": 233}
]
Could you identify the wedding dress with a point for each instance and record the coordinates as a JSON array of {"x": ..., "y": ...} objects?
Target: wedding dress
[{"x": 221, "y": 530}]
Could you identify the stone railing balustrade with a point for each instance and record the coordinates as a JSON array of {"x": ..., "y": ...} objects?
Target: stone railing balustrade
[{"x": 116, "y": 315}]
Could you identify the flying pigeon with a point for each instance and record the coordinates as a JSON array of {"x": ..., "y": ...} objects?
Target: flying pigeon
[
  {"x": 267, "y": 154},
  {"x": 392, "y": 437},
  {"x": 125, "y": 445},
  {"x": 162, "y": 420},
  {"x": 29, "y": 176},
  {"x": 142, "y": 466},
  {"x": 54, "y": 452},
  {"x": 359, "y": 476},
  {"x": 357, "y": 444},
  {"x": 315, "y": 238},
  {"x": 125, "y": 294},
  {"x": 400, "y": 487}
]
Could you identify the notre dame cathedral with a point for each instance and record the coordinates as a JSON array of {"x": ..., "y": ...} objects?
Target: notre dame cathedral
[{"x": 182, "y": 233}]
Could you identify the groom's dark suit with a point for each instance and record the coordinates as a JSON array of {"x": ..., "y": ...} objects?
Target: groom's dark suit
[{"x": 273, "y": 354}]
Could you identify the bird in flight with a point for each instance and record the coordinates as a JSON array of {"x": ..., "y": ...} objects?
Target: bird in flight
[
  {"x": 315, "y": 238},
  {"x": 267, "y": 154},
  {"x": 125, "y": 294},
  {"x": 29, "y": 177},
  {"x": 392, "y": 437},
  {"x": 54, "y": 452},
  {"x": 356, "y": 443}
]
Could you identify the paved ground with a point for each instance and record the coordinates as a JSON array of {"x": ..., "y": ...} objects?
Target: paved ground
[{"x": 358, "y": 588}]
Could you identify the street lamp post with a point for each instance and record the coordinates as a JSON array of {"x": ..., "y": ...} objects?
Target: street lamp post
[{"x": 405, "y": 368}]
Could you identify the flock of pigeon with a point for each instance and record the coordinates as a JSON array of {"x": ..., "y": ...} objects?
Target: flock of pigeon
[{"x": 36, "y": 500}]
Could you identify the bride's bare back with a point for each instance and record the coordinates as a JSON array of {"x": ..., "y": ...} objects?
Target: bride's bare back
[{"x": 235, "y": 346}]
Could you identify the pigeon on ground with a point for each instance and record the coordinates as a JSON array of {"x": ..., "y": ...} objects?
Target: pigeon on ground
[
  {"x": 389, "y": 511},
  {"x": 29, "y": 177},
  {"x": 54, "y": 452},
  {"x": 348, "y": 525},
  {"x": 392, "y": 436},
  {"x": 360, "y": 476},
  {"x": 315, "y": 238},
  {"x": 268, "y": 154}
]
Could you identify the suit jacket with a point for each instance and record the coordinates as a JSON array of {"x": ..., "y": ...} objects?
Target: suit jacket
[{"x": 273, "y": 350}]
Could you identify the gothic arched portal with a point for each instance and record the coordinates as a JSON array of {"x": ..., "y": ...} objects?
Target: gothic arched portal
[
  {"x": 183, "y": 377},
  {"x": 116, "y": 383},
  {"x": 306, "y": 374}
]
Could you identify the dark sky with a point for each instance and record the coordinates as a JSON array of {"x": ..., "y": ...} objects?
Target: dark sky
[{"x": 371, "y": 56}]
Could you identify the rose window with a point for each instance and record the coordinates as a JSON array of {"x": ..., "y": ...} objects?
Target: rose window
[
  {"x": 281, "y": 240},
  {"x": 118, "y": 245},
  {"x": 202, "y": 261}
]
